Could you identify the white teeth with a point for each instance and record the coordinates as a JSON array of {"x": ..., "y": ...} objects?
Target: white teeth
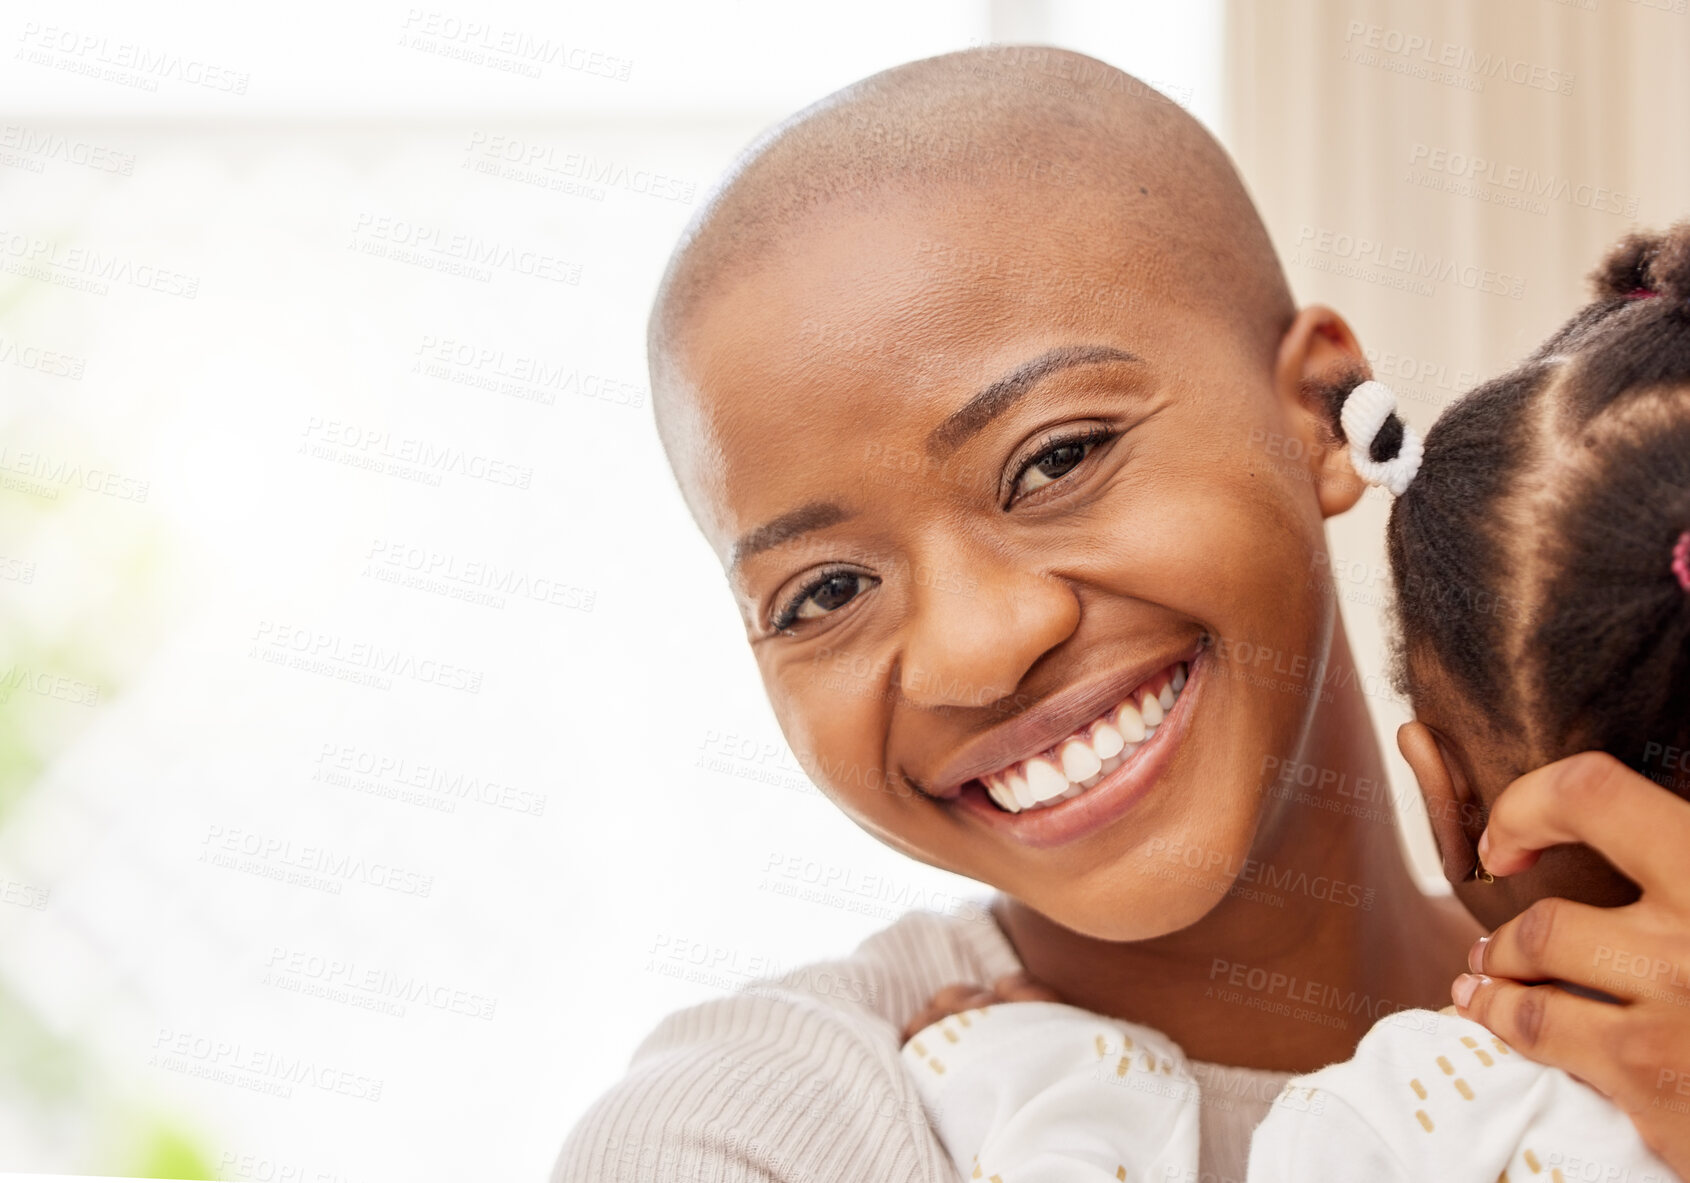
[
  {"x": 1129, "y": 723},
  {"x": 1151, "y": 710},
  {"x": 1019, "y": 790},
  {"x": 1105, "y": 740},
  {"x": 1078, "y": 760},
  {"x": 1044, "y": 779},
  {"x": 999, "y": 792}
]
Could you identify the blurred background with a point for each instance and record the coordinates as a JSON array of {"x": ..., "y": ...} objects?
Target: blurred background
[{"x": 364, "y": 686}]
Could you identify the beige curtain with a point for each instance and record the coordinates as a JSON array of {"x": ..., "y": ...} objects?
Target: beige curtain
[{"x": 1445, "y": 173}]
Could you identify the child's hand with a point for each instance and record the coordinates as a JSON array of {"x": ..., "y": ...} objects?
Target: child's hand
[
  {"x": 1638, "y": 1053},
  {"x": 1015, "y": 987}
]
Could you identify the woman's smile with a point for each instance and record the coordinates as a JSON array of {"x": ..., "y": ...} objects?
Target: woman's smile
[{"x": 1097, "y": 773}]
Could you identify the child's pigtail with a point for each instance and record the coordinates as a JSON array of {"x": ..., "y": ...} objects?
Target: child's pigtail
[
  {"x": 1669, "y": 268},
  {"x": 1625, "y": 274},
  {"x": 1384, "y": 450}
]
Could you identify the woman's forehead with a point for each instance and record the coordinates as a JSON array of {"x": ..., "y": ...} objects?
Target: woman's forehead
[
  {"x": 866, "y": 323},
  {"x": 919, "y": 278}
]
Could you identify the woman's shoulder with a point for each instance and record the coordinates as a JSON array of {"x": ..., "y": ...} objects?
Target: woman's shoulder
[
  {"x": 795, "y": 1076},
  {"x": 896, "y": 971}
]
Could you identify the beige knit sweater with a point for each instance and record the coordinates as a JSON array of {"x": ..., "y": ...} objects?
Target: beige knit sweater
[{"x": 797, "y": 1079}]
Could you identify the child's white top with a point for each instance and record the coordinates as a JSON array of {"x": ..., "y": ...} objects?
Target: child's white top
[{"x": 1039, "y": 1091}]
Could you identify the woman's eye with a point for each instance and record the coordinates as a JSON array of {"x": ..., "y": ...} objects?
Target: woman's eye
[
  {"x": 1052, "y": 464},
  {"x": 828, "y": 594}
]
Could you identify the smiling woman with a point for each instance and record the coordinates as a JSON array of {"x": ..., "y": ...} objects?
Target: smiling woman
[{"x": 1124, "y": 543}]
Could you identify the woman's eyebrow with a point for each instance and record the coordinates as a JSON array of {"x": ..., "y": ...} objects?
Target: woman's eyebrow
[
  {"x": 997, "y": 398},
  {"x": 816, "y": 515}
]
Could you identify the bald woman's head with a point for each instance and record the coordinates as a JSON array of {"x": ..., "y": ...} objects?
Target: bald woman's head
[
  {"x": 964, "y": 374},
  {"x": 1052, "y": 131}
]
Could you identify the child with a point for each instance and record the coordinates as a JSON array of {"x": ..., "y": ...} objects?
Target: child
[{"x": 1540, "y": 549}]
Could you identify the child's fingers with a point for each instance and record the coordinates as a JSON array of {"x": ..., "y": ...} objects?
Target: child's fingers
[
  {"x": 1577, "y": 1035},
  {"x": 1018, "y": 987},
  {"x": 1570, "y": 942},
  {"x": 953, "y": 997},
  {"x": 1594, "y": 799},
  {"x": 961, "y": 996},
  {"x": 949, "y": 1001}
]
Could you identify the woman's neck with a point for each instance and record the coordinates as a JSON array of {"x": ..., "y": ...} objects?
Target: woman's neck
[{"x": 1291, "y": 972}]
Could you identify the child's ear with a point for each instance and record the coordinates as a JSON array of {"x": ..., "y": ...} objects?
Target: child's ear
[
  {"x": 1318, "y": 351},
  {"x": 1450, "y": 802}
]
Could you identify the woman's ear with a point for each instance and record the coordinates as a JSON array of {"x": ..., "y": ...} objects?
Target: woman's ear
[
  {"x": 1318, "y": 355},
  {"x": 1450, "y": 802}
]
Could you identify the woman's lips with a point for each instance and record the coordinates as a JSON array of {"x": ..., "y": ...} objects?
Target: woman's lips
[
  {"x": 1108, "y": 798},
  {"x": 1096, "y": 748}
]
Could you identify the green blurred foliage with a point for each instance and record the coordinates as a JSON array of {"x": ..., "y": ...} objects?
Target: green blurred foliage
[{"x": 93, "y": 615}]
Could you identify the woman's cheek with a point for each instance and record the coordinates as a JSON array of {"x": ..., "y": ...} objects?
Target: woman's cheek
[{"x": 829, "y": 706}]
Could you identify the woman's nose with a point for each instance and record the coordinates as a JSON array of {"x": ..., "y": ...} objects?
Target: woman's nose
[{"x": 970, "y": 640}]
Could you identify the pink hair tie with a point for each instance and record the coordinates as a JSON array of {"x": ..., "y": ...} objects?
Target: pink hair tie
[
  {"x": 1641, "y": 293},
  {"x": 1681, "y": 560}
]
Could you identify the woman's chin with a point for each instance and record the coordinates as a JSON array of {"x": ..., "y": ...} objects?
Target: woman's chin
[{"x": 1135, "y": 912}]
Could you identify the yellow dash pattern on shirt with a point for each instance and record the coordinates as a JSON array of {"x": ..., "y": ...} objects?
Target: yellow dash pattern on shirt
[
  {"x": 1448, "y": 1068},
  {"x": 1462, "y": 1088},
  {"x": 1531, "y": 1161},
  {"x": 1425, "y": 1122},
  {"x": 1419, "y": 1089},
  {"x": 1484, "y": 1057}
]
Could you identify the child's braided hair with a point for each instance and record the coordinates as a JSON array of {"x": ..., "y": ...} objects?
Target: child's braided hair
[{"x": 1541, "y": 555}]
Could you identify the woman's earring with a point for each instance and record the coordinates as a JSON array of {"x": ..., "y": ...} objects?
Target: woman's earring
[{"x": 1480, "y": 874}]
